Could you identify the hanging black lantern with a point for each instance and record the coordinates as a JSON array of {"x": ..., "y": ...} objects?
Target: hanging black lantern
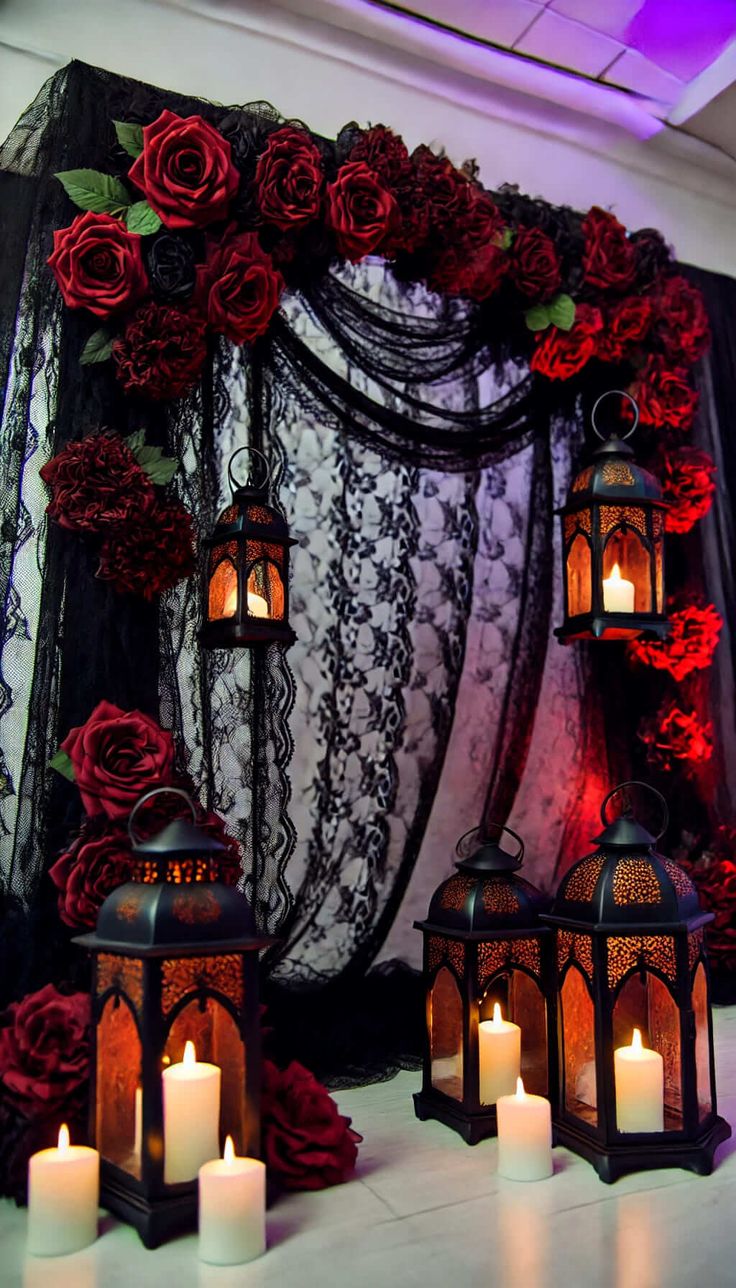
[
  {"x": 613, "y": 546},
  {"x": 636, "y": 1078},
  {"x": 174, "y": 997},
  {"x": 489, "y": 1014},
  {"x": 247, "y": 576}
]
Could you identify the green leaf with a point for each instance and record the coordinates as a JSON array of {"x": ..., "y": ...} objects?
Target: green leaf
[
  {"x": 98, "y": 348},
  {"x": 507, "y": 239},
  {"x": 93, "y": 190},
  {"x": 159, "y": 468},
  {"x": 141, "y": 219},
  {"x": 136, "y": 441},
  {"x": 130, "y": 137},
  {"x": 61, "y": 762},
  {"x": 562, "y": 312},
  {"x": 537, "y": 318}
]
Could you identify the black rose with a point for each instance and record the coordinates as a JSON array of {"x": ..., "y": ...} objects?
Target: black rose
[
  {"x": 171, "y": 267},
  {"x": 653, "y": 255}
]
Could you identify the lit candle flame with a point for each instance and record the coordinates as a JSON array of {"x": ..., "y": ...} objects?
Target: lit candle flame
[
  {"x": 520, "y": 1092},
  {"x": 497, "y": 1016},
  {"x": 615, "y": 573},
  {"x": 257, "y": 604},
  {"x": 636, "y": 1043},
  {"x": 190, "y": 1055},
  {"x": 229, "y": 1151},
  {"x": 63, "y": 1137}
]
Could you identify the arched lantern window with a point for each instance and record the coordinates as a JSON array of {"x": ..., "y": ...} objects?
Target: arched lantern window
[
  {"x": 487, "y": 1006},
  {"x": 247, "y": 575},
  {"x": 636, "y": 1079},
  {"x": 613, "y": 547}
]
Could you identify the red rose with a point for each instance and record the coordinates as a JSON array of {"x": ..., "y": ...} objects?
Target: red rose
[
  {"x": 307, "y": 1143},
  {"x": 96, "y": 863},
  {"x": 624, "y": 327},
  {"x": 386, "y": 154},
  {"x": 664, "y": 396},
  {"x": 690, "y": 645},
  {"x": 675, "y": 735},
  {"x": 117, "y": 755},
  {"x": 609, "y": 259},
  {"x": 445, "y": 193},
  {"x": 98, "y": 265},
  {"x": 360, "y": 211},
  {"x": 535, "y": 265},
  {"x": 152, "y": 555},
  {"x": 561, "y": 354},
  {"x": 238, "y": 287},
  {"x": 289, "y": 179},
  {"x": 474, "y": 262},
  {"x": 687, "y": 481},
  {"x": 44, "y": 1050},
  {"x": 714, "y": 875},
  {"x": 95, "y": 483},
  {"x": 186, "y": 171},
  {"x": 682, "y": 320},
  {"x": 161, "y": 352}
]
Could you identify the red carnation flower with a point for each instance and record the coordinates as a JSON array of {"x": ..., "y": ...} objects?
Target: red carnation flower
[
  {"x": 535, "y": 264},
  {"x": 682, "y": 322},
  {"x": 44, "y": 1051},
  {"x": 161, "y": 352},
  {"x": 116, "y": 756},
  {"x": 238, "y": 287},
  {"x": 693, "y": 638},
  {"x": 151, "y": 555},
  {"x": 624, "y": 327},
  {"x": 98, "y": 265},
  {"x": 307, "y": 1143},
  {"x": 360, "y": 211},
  {"x": 385, "y": 153},
  {"x": 674, "y": 735},
  {"x": 609, "y": 259},
  {"x": 95, "y": 483},
  {"x": 561, "y": 354},
  {"x": 186, "y": 171},
  {"x": 686, "y": 475},
  {"x": 474, "y": 262},
  {"x": 289, "y": 179},
  {"x": 664, "y": 396}
]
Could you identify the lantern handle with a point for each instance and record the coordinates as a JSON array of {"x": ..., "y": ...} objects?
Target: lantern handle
[
  {"x": 254, "y": 451},
  {"x": 636, "y": 782},
  {"x": 502, "y": 827},
  {"x": 622, "y": 393},
  {"x": 158, "y": 791}
]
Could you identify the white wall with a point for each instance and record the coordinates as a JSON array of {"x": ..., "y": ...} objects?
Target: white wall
[{"x": 237, "y": 51}]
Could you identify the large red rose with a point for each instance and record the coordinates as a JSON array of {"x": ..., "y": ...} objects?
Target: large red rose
[
  {"x": 307, "y": 1143},
  {"x": 98, "y": 265},
  {"x": 97, "y": 862},
  {"x": 474, "y": 262},
  {"x": 674, "y": 735},
  {"x": 161, "y": 352},
  {"x": 624, "y": 327},
  {"x": 186, "y": 171},
  {"x": 289, "y": 179},
  {"x": 386, "y": 154},
  {"x": 665, "y": 396},
  {"x": 95, "y": 483},
  {"x": 116, "y": 756},
  {"x": 151, "y": 555},
  {"x": 686, "y": 475},
  {"x": 44, "y": 1050},
  {"x": 682, "y": 322},
  {"x": 360, "y": 211},
  {"x": 238, "y": 287},
  {"x": 609, "y": 259},
  {"x": 690, "y": 645},
  {"x": 561, "y": 354},
  {"x": 535, "y": 264}
]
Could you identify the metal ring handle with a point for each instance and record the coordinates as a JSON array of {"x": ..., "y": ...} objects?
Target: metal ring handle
[
  {"x": 597, "y": 404},
  {"x": 637, "y": 782},
  {"x": 159, "y": 791},
  {"x": 254, "y": 451},
  {"x": 503, "y": 827}
]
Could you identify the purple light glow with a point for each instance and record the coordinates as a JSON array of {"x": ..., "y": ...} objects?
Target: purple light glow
[{"x": 682, "y": 36}]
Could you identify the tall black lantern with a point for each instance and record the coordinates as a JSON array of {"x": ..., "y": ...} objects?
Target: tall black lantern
[
  {"x": 613, "y": 547},
  {"x": 485, "y": 952},
  {"x": 636, "y": 1079},
  {"x": 175, "y": 965},
  {"x": 247, "y": 577}
]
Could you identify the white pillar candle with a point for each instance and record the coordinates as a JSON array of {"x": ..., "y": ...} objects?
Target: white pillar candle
[
  {"x": 232, "y": 1209},
  {"x": 63, "y": 1198},
  {"x": 257, "y": 605},
  {"x": 524, "y": 1136},
  {"x": 618, "y": 593},
  {"x": 499, "y": 1055},
  {"x": 639, "y": 1075},
  {"x": 191, "y": 1116}
]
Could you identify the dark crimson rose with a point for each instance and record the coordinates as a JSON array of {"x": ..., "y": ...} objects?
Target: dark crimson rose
[
  {"x": 665, "y": 396},
  {"x": 653, "y": 255},
  {"x": 714, "y": 875},
  {"x": 386, "y": 154},
  {"x": 624, "y": 327},
  {"x": 186, "y": 171},
  {"x": 690, "y": 645},
  {"x": 609, "y": 259},
  {"x": 475, "y": 262},
  {"x": 118, "y": 755},
  {"x": 535, "y": 265},
  {"x": 682, "y": 322},
  {"x": 360, "y": 211},
  {"x": 97, "y": 862},
  {"x": 307, "y": 1143},
  {"x": 289, "y": 179},
  {"x": 560, "y": 354},
  {"x": 445, "y": 193},
  {"x": 171, "y": 267},
  {"x": 95, "y": 483},
  {"x": 686, "y": 475},
  {"x": 98, "y": 265},
  {"x": 238, "y": 287},
  {"x": 44, "y": 1050},
  {"x": 161, "y": 352},
  {"x": 675, "y": 735},
  {"x": 153, "y": 554}
]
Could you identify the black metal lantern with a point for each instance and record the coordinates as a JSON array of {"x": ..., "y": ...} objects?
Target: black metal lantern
[
  {"x": 485, "y": 955},
  {"x": 247, "y": 577},
  {"x": 632, "y": 978},
  {"x": 613, "y": 546},
  {"x": 175, "y": 967}
]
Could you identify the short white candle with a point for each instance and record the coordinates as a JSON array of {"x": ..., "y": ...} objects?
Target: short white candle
[
  {"x": 639, "y": 1075},
  {"x": 232, "y": 1209},
  {"x": 618, "y": 593},
  {"x": 191, "y": 1116},
  {"x": 524, "y": 1136},
  {"x": 257, "y": 605},
  {"x": 499, "y": 1055},
  {"x": 63, "y": 1198}
]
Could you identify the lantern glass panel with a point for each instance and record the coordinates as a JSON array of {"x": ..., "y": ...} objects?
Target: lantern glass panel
[
  {"x": 265, "y": 591},
  {"x": 446, "y": 1034},
  {"x": 659, "y": 574},
  {"x": 216, "y": 1039},
  {"x": 522, "y": 1001},
  {"x": 702, "y": 1043},
  {"x": 627, "y": 550},
  {"x": 646, "y": 1004},
  {"x": 118, "y": 1077},
  {"x": 223, "y": 591},
  {"x": 579, "y": 577},
  {"x": 578, "y": 1041}
]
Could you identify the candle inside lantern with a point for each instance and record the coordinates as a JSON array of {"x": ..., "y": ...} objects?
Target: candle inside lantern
[
  {"x": 618, "y": 593},
  {"x": 232, "y": 1209},
  {"x": 639, "y": 1075},
  {"x": 524, "y": 1136},
  {"x": 191, "y": 1116},
  {"x": 499, "y": 1055},
  {"x": 63, "y": 1198},
  {"x": 257, "y": 605}
]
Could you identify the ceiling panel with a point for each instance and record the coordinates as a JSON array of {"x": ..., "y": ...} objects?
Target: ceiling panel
[
  {"x": 499, "y": 21},
  {"x": 611, "y": 17},
  {"x": 635, "y": 72},
  {"x": 558, "y": 40}
]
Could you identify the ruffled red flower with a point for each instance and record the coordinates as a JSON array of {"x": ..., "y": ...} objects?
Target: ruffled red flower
[
  {"x": 475, "y": 262},
  {"x": 307, "y": 1143},
  {"x": 561, "y": 354},
  {"x": 151, "y": 555},
  {"x": 98, "y": 265},
  {"x": 289, "y": 179},
  {"x": 625, "y": 326},
  {"x": 686, "y": 475},
  {"x": 161, "y": 352},
  {"x": 95, "y": 483},
  {"x": 692, "y": 641},
  {"x": 238, "y": 288},
  {"x": 535, "y": 264},
  {"x": 96, "y": 863},
  {"x": 386, "y": 154},
  {"x": 609, "y": 259},
  {"x": 682, "y": 324},
  {"x": 116, "y": 756},
  {"x": 675, "y": 736},
  {"x": 361, "y": 212},
  {"x": 665, "y": 396},
  {"x": 186, "y": 171},
  {"x": 714, "y": 875},
  {"x": 44, "y": 1051}
]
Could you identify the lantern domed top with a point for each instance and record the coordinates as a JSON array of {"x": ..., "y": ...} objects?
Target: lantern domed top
[
  {"x": 485, "y": 894},
  {"x": 614, "y": 476}
]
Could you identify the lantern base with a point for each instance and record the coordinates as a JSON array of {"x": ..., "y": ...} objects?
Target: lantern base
[
  {"x": 156, "y": 1220},
  {"x": 227, "y": 633},
  {"x": 473, "y": 1127},
  {"x": 614, "y": 1161},
  {"x": 613, "y": 626}
]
